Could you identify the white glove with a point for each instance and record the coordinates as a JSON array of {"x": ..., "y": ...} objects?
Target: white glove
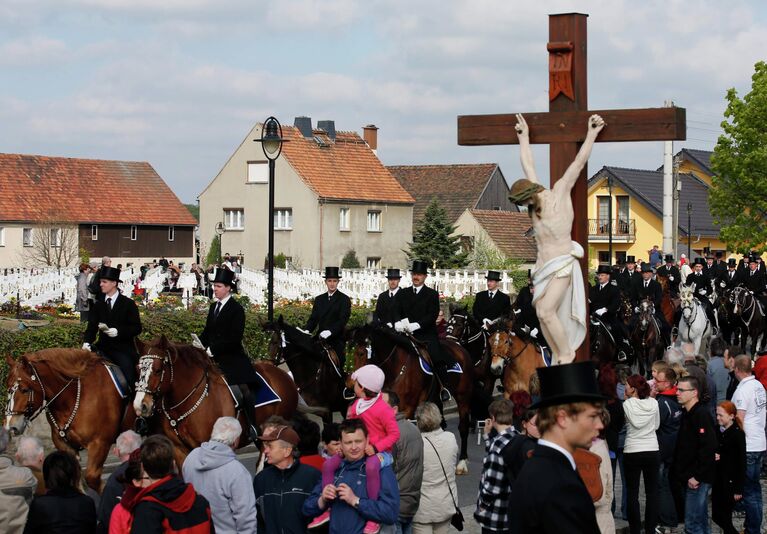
[
  {"x": 87, "y": 346},
  {"x": 325, "y": 334},
  {"x": 722, "y": 284},
  {"x": 671, "y": 277},
  {"x": 516, "y": 312},
  {"x": 197, "y": 344},
  {"x": 636, "y": 309},
  {"x": 486, "y": 323},
  {"x": 103, "y": 326},
  {"x": 412, "y": 327},
  {"x": 111, "y": 332},
  {"x": 534, "y": 333},
  {"x": 209, "y": 352},
  {"x": 389, "y": 325},
  {"x": 399, "y": 326},
  {"x": 601, "y": 311},
  {"x": 701, "y": 292},
  {"x": 304, "y": 331}
]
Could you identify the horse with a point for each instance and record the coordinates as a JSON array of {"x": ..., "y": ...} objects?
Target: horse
[
  {"x": 316, "y": 369},
  {"x": 749, "y": 310},
  {"x": 646, "y": 338},
  {"x": 74, "y": 390},
  {"x": 191, "y": 393},
  {"x": 668, "y": 304},
  {"x": 730, "y": 326},
  {"x": 516, "y": 357},
  {"x": 465, "y": 330},
  {"x": 604, "y": 348},
  {"x": 405, "y": 376},
  {"x": 694, "y": 326}
]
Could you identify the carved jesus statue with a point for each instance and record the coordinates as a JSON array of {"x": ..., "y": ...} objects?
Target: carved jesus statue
[{"x": 559, "y": 298}]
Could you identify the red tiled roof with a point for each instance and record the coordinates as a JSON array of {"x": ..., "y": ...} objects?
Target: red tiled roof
[
  {"x": 43, "y": 188},
  {"x": 507, "y": 229},
  {"x": 346, "y": 169},
  {"x": 456, "y": 187}
]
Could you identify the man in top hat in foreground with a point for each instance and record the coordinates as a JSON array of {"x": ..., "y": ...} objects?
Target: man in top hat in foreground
[
  {"x": 549, "y": 495},
  {"x": 703, "y": 288},
  {"x": 386, "y": 305},
  {"x": 116, "y": 320},
  {"x": 223, "y": 334},
  {"x": 671, "y": 272},
  {"x": 330, "y": 313},
  {"x": 491, "y": 304}
]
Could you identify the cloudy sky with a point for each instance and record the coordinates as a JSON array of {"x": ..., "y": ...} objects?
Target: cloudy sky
[{"x": 179, "y": 83}]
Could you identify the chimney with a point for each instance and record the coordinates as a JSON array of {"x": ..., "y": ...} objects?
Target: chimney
[
  {"x": 304, "y": 125},
  {"x": 370, "y": 135},
  {"x": 329, "y": 127}
]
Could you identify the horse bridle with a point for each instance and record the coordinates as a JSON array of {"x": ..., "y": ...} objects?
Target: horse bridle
[
  {"x": 144, "y": 365},
  {"x": 505, "y": 357},
  {"x": 464, "y": 337}
]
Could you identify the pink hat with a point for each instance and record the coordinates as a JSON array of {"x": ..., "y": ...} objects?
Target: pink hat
[{"x": 370, "y": 377}]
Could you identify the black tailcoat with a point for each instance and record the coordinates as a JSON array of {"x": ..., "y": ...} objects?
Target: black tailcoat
[
  {"x": 223, "y": 335},
  {"x": 123, "y": 316},
  {"x": 653, "y": 290},
  {"x": 549, "y": 497},
  {"x": 755, "y": 282},
  {"x": 487, "y": 308},
  {"x": 627, "y": 279},
  {"x": 524, "y": 310},
  {"x": 671, "y": 272},
  {"x": 331, "y": 313},
  {"x": 701, "y": 281},
  {"x": 386, "y": 308},
  {"x": 730, "y": 281},
  {"x": 422, "y": 308},
  {"x": 608, "y": 297}
]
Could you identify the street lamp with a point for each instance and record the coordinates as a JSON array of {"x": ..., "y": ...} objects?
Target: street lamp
[
  {"x": 219, "y": 232},
  {"x": 271, "y": 142},
  {"x": 689, "y": 231}
]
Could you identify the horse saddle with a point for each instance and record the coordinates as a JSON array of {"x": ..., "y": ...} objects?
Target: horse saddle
[
  {"x": 118, "y": 378},
  {"x": 546, "y": 354},
  {"x": 264, "y": 394},
  {"x": 427, "y": 368},
  {"x": 597, "y": 322}
]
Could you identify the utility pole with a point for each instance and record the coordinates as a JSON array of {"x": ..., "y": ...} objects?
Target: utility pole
[{"x": 668, "y": 193}]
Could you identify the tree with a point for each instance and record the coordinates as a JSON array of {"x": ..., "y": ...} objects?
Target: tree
[
  {"x": 54, "y": 244},
  {"x": 433, "y": 240},
  {"x": 350, "y": 261},
  {"x": 485, "y": 255},
  {"x": 214, "y": 254},
  {"x": 738, "y": 197}
]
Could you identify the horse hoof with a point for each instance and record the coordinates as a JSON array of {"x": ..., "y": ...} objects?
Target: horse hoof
[{"x": 462, "y": 468}]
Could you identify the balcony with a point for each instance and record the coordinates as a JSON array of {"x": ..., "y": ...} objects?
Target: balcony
[{"x": 623, "y": 231}]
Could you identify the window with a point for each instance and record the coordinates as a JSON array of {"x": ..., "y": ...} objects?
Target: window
[
  {"x": 258, "y": 172},
  {"x": 133, "y": 233},
  {"x": 55, "y": 237},
  {"x": 604, "y": 257},
  {"x": 603, "y": 209},
  {"x": 374, "y": 221},
  {"x": 283, "y": 219},
  {"x": 343, "y": 219},
  {"x": 374, "y": 263},
  {"x": 234, "y": 219},
  {"x": 2, "y": 236},
  {"x": 620, "y": 257},
  {"x": 94, "y": 232},
  {"x": 26, "y": 236},
  {"x": 171, "y": 233}
]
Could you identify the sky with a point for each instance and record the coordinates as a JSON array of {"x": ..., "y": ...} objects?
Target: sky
[{"x": 179, "y": 83}]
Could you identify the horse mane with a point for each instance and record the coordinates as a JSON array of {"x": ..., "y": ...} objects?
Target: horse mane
[
  {"x": 65, "y": 363},
  {"x": 195, "y": 358}
]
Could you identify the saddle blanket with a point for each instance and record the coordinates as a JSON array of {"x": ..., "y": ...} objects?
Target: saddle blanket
[
  {"x": 426, "y": 367},
  {"x": 264, "y": 394},
  {"x": 545, "y": 355},
  {"x": 118, "y": 379}
]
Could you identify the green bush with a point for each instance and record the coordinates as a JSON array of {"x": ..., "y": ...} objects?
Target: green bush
[{"x": 350, "y": 261}]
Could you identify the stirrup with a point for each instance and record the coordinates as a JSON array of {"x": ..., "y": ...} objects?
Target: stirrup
[
  {"x": 444, "y": 394},
  {"x": 622, "y": 357}
]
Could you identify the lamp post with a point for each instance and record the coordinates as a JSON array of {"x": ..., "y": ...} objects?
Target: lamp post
[
  {"x": 689, "y": 231},
  {"x": 220, "y": 232},
  {"x": 271, "y": 142}
]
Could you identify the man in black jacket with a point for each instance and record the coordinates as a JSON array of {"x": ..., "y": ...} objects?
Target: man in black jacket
[
  {"x": 549, "y": 496},
  {"x": 755, "y": 280},
  {"x": 604, "y": 303},
  {"x": 284, "y": 484},
  {"x": 703, "y": 288},
  {"x": 671, "y": 272},
  {"x": 524, "y": 312},
  {"x": 730, "y": 278},
  {"x": 116, "y": 320},
  {"x": 330, "y": 313},
  {"x": 647, "y": 287},
  {"x": 670, "y": 419},
  {"x": 694, "y": 466},
  {"x": 491, "y": 304},
  {"x": 628, "y": 276},
  {"x": 386, "y": 305}
]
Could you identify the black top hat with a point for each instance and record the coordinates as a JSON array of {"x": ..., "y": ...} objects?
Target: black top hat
[
  {"x": 732, "y": 262},
  {"x": 646, "y": 268},
  {"x": 719, "y": 254},
  {"x": 709, "y": 256},
  {"x": 604, "y": 269},
  {"x": 110, "y": 273},
  {"x": 420, "y": 267},
  {"x": 493, "y": 275},
  {"x": 529, "y": 273},
  {"x": 224, "y": 276},
  {"x": 332, "y": 272},
  {"x": 699, "y": 261},
  {"x": 630, "y": 259},
  {"x": 568, "y": 383},
  {"x": 669, "y": 257},
  {"x": 620, "y": 261},
  {"x": 393, "y": 273},
  {"x": 751, "y": 258}
]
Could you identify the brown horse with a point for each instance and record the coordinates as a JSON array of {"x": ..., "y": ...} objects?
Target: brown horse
[
  {"x": 668, "y": 304},
  {"x": 404, "y": 376},
  {"x": 517, "y": 356},
  {"x": 74, "y": 390},
  {"x": 464, "y": 329},
  {"x": 191, "y": 393},
  {"x": 646, "y": 338}
]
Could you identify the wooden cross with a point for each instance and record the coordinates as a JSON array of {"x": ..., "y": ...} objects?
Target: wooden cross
[{"x": 564, "y": 126}]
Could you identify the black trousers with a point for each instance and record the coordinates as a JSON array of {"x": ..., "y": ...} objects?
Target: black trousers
[
  {"x": 126, "y": 361},
  {"x": 722, "y": 504},
  {"x": 645, "y": 464}
]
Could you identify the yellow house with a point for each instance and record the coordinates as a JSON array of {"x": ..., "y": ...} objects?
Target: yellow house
[{"x": 636, "y": 197}]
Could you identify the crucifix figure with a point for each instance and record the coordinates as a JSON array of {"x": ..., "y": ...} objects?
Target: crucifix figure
[{"x": 566, "y": 126}]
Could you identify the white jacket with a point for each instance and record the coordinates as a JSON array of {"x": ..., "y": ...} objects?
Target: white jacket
[
  {"x": 436, "y": 505},
  {"x": 642, "y": 420}
]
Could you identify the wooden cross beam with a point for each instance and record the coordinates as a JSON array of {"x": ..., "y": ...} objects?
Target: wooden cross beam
[{"x": 564, "y": 126}]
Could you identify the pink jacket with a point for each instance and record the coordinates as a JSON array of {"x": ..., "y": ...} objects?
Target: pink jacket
[{"x": 381, "y": 423}]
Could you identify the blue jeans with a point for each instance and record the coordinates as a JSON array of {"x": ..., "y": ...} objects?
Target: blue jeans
[
  {"x": 404, "y": 527},
  {"x": 752, "y": 493},
  {"x": 696, "y": 510},
  {"x": 666, "y": 509}
]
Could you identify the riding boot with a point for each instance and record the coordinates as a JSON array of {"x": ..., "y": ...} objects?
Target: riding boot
[
  {"x": 442, "y": 378},
  {"x": 248, "y": 409}
]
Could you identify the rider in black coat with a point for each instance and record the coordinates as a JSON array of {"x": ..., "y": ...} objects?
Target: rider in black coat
[
  {"x": 671, "y": 272},
  {"x": 627, "y": 277},
  {"x": 731, "y": 278},
  {"x": 386, "y": 306},
  {"x": 491, "y": 304},
  {"x": 703, "y": 288},
  {"x": 649, "y": 288},
  {"x": 330, "y": 313},
  {"x": 604, "y": 303},
  {"x": 524, "y": 311}
]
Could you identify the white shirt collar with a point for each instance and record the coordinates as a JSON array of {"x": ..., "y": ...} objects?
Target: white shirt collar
[
  {"x": 417, "y": 289},
  {"x": 225, "y": 300},
  {"x": 394, "y": 291},
  {"x": 601, "y": 286},
  {"x": 556, "y": 447},
  {"x": 113, "y": 296}
]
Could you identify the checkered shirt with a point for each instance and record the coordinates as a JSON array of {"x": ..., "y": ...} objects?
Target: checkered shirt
[{"x": 492, "y": 510}]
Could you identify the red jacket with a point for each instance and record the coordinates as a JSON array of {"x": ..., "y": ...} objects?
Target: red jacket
[
  {"x": 760, "y": 370},
  {"x": 168, "y": 506}
]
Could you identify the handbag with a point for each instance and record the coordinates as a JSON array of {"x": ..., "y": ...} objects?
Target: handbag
[{"x": 457, "y": 519}]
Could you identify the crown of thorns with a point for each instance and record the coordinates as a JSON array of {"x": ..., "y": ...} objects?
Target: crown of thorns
[{"x": 523, "y": 189}]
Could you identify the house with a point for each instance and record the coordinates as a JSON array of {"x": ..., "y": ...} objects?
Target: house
[
  {"x": 636, "y": 197},
  {"x": 51, "y": 208},
  {"x": 506, "y": 233},
  {"x": 456, "y": 187},
  {"x": 332, "y": 195}
]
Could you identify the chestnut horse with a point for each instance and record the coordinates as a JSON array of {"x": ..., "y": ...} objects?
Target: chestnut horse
[
  {"x": 190, "y": 392},
  {"x": 385, "y": 348},
  {"x": 74, "y": 390},
  {"x": 465, "y": 330},
  {"x": 517, "y": 356},
  {"x": 669, "y": 304},
  {"x": 646, "y": 339}
]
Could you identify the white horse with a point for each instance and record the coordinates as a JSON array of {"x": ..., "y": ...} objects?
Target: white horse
[{"x": 694, "y": 326}]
